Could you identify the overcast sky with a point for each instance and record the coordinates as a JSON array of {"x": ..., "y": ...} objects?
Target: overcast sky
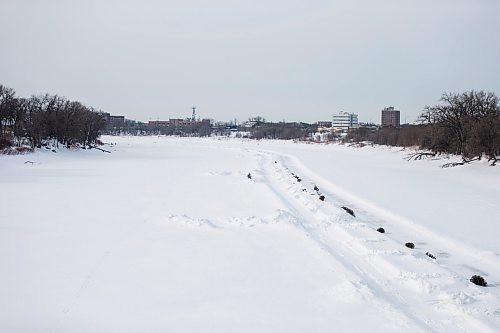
[{"x": 281, "y": 59}]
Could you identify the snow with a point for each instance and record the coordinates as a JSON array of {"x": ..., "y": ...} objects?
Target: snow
[{"x": 169, "y": 234}]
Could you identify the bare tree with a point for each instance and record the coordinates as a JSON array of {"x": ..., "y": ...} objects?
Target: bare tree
[
  {"x": 7, "y": 107},
  {"x": 48, "y": 118},
  {"x": 485, "y": 138},
  {"x": 457, "y": 115},
  {"x": 92, "y": 122}
]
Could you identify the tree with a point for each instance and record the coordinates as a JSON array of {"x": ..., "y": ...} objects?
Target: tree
[
  {"x": 461, "y": 117},
  {"x": 68, "y": 123},
  {"x": 91, "y": 123},
  {"x": 485, "y": 138},
  {"x": 7, "y": 107},
  {"x": 33, "y": 109}
]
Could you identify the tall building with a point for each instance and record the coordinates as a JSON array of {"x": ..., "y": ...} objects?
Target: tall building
[
  {"x": 344, "y": 121},
  {"x": 390, "y": 117}
]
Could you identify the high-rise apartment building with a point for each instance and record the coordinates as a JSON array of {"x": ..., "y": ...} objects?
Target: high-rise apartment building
[{"x": 390, "y": 117}]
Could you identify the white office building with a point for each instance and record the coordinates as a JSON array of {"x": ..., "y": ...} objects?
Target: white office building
[{"x": 344, "y": 121}]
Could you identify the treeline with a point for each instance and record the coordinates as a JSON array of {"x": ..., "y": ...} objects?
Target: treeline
[
  {"x": 38, "y": 119},
  {"x": 193, "y": 129},
  {"x": 281, "y": 131},
  {"x": 466, "y": 124},
  {"x": 411, "y": 135}
]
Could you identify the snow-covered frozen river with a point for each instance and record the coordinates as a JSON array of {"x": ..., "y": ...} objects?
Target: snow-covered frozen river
[{"x": 171, "y": 235}]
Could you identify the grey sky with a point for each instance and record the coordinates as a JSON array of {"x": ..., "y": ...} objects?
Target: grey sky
[{"x": 281, "y": 59}]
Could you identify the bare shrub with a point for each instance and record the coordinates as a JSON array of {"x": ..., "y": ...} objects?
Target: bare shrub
[{"x": 478, "y": 280}]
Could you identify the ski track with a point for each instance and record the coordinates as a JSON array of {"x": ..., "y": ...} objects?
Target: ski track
[{"x": 433, "y": 300}]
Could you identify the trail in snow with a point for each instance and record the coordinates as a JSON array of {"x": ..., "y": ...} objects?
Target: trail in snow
[{"x": 433, "y": 295}]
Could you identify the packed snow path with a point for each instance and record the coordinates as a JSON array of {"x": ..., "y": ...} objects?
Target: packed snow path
[
  {"x": 433, "y": 295},
  {"x": 169, "y": 234}
]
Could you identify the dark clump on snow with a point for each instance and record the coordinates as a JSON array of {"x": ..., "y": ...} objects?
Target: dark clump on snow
[
  {"x": 249, "y": 176},
  {"x": 478, "y": 280},
  {"x": 322, "y": 197},
  {"x": 316, "y": 188},
  {"x": 430, "y": 255},
  {"x": 381, "y": 230},
  {"x": 410, "y": 245},
  {"x": 349, "y": 210}
]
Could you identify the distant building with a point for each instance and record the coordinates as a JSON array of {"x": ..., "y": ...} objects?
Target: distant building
[
  {"x": 390, "y": 117},
  {"x": 344, "y": 121},
  {"x": 158, "y": 123},
  {"x": 254, "y": 122},
  {"x": 324, "y": 124},
  {"x": 177, "y": 123},
  {"x": 369, "y": 126},
  {"x": 114, "y": 122}
]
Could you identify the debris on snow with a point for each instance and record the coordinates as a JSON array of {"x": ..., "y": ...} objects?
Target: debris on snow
[
  {"x": 349, "y": 210},
  {"x": 478, "y": 280}
]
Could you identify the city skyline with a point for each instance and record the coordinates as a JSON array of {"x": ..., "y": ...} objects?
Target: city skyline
[{"x": 352, "y": 117}]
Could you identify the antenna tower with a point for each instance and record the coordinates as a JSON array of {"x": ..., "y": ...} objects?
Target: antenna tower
[{"x": 193, "y": 118}]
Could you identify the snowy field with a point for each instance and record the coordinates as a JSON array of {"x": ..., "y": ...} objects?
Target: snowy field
[{"x": 170, "y": 235}]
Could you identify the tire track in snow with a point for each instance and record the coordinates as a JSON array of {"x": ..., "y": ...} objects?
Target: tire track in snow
[
  {"x": 452, "y": 297},
  {"x": 488, "y": 262},
  {"x": 307, "y": 216}
]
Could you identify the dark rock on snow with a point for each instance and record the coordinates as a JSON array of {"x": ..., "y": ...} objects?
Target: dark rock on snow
[
  {"x": 430, "y": 255},
  {"x": 349, "y": 210}
]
